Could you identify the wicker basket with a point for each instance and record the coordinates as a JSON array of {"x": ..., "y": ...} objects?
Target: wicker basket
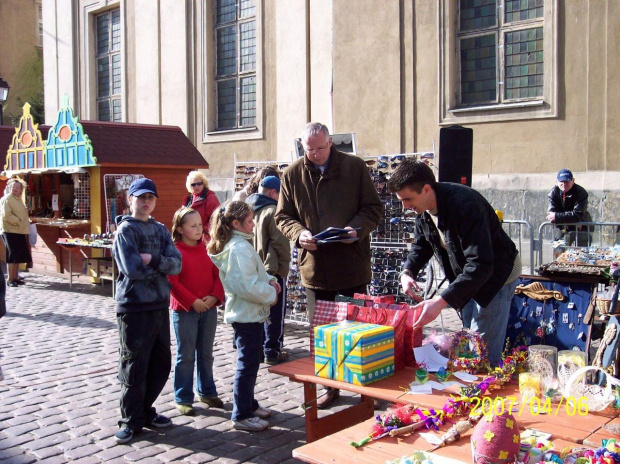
[{"x": 603, "y": 306}]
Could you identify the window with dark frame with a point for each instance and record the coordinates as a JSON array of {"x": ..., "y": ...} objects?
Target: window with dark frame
[
  {"x": 235, "y": 67},
  {"x": 500, "y": 51},
  {"x": 108, "y": 56}
]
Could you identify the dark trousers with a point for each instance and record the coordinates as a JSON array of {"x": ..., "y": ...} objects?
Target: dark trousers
[
  {"x": 249, "y": 340},
  {"x": 144, "y": 364},
  {"x": 274, "y": 327},
  {"x": 329, "y": 295}
]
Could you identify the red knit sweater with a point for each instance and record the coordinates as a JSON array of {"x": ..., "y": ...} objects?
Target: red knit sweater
[{"x": 198, "y": 278}]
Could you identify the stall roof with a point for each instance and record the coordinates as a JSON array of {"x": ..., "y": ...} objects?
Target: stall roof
[
  {"x": 125, "y": 143},
  {"x": 129, "y": 144}
]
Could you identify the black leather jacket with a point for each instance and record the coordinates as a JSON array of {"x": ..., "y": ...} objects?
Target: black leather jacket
[
  {"x": 479, "y": 255},
  {"x": 572, "y": 208}
]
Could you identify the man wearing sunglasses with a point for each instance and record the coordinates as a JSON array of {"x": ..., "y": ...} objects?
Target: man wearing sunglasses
[
  {"x": 459, "y": 226},
  {"x": 328, "y": 188}
]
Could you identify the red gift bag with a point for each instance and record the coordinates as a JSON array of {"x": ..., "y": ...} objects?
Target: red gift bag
[
  {"x": 326, "y": 312},
  {"x": 376, "y": 299},
  {"x": 401, "y": 318}
]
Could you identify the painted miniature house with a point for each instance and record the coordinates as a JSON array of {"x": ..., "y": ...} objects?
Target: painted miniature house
[{"x": 77, "y": 173}]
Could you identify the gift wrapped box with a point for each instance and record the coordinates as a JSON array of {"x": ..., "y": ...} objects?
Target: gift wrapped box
[{"x": 354, "y": 352}]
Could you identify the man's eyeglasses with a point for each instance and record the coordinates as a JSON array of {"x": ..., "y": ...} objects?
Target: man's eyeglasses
[
  {"x": 196, "y": 184},
  {"x": 312, "y": 152}
]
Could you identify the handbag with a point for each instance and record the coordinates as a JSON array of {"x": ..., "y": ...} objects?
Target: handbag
[{"x": 326, "y": 312}]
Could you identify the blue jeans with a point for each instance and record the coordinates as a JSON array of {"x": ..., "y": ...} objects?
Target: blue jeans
[
  {"x": 491, "y": 321},
  {"x": 274, "y": 327},
  {"x": 249, "y": 340},
  {"x": 195, "y": 333}
]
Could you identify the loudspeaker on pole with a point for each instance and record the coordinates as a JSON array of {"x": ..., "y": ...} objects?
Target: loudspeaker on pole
[{"x": 456, "y": 154}]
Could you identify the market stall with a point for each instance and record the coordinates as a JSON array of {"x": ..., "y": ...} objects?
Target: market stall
[{"x": 77, "y": 174}]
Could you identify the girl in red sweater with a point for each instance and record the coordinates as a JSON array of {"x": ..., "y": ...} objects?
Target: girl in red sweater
[{"x": 195, "y": 293}]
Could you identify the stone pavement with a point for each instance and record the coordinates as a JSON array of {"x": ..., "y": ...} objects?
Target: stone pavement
[{"x": 59, "y": 397}]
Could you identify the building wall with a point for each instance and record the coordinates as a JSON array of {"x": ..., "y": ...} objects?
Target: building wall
[
  {"x": 371, "y": 67},
  {"x": 20, "y": 53}
]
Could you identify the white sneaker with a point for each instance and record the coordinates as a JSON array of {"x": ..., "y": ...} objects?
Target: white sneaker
[
  {"x": 252, "y": 424},
  {"x": 263, "y": 413}
]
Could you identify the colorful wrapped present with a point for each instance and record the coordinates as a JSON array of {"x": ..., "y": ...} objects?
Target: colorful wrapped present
[{"x": 354, "y": 352}]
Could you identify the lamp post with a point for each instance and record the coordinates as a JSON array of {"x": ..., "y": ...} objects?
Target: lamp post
[{"x": 4, "y": 95}]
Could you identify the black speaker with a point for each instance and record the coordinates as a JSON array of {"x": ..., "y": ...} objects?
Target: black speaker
[{"x": 455, "y": 154}]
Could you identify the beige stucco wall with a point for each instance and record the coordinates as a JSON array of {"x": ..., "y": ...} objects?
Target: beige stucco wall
[
  {"x": 20, "y": 57},
  {"x": 382, "y": 60}
]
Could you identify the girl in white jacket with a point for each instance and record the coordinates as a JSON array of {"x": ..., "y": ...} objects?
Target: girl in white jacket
[{"x": 250, "y": 291}]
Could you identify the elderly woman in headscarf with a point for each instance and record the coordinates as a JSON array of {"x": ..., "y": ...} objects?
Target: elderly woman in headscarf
[
  {"x": 15, "y": 229},
  {"x": 201, "y": 199}
]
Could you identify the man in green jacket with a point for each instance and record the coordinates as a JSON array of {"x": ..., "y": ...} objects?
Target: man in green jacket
[
  {"x": 328, "y": 188},
  {"x": 275, "y": 251}
]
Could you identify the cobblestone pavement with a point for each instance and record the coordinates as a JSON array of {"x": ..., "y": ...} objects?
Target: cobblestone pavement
[{"x": 59, "y": 397}]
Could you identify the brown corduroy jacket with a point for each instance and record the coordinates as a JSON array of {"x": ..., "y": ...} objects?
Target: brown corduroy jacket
[{"x": 342, "y": 196}]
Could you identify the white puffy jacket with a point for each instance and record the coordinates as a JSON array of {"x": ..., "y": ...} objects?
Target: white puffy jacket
[{"x": 246, "y": 283}]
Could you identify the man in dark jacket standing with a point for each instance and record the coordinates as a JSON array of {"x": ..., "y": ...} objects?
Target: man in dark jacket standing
[
  {"x": 328, "y": 188},
  {"x": 568, "y": 203},
  {"x": 275, "y": 251},
  {"x": 457, "y": 225}
]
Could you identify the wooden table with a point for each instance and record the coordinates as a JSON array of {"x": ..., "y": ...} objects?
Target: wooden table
[
  {"x": 336, "y": 449},
  {"x": 73, "y": 245},
  {"x": 560, "y": 422}
]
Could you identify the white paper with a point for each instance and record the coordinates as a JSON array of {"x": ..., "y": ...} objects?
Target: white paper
[
  {"x": 416, "y": 388},
  {"x": 449, "y": 383},
  {"x": 54, "y": 202},
  {"x": 431, "y": 438},
  {"x": 436, "y": 385},
  {"x": 427, "y": 355},
  {"x": 465, "y": 377}
]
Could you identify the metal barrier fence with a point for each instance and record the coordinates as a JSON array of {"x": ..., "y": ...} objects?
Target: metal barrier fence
[
  {"x": 580, "y": 234},
  {"x": 522, "y": 234}
]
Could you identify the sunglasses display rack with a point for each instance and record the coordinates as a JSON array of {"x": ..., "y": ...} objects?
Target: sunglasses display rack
[
  {"x": 389, "y": 241},
  {"x": 295, "y": 292},
  {"x": 244, "y": 170}
]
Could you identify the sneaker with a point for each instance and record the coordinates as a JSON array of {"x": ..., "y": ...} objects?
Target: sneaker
[
  {"x": 251, "y": 424},
  {"x": 327, "y": 398},
  {"x": 213, "y": 402},
  {"x": 281, "y": 357},
  {"x": 185, "y": 409},
  {"x": 263, "y": 413},
  {"x": 161, "y": 422},
  {"x": 124, "y": 435}
]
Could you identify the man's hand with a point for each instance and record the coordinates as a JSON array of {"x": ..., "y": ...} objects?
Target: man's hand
[
  {"x": 210, "y": 301},
  {"x": 430, "y": 310},
  {"x": 199, "y": 306},
  {"x": 409, "y": 285},
  {"x": 352, "y": 233},
  {"x": 551, "y": 217},
  {"x": 306, "y": 241},
  {"x": 146, "y": 258}
]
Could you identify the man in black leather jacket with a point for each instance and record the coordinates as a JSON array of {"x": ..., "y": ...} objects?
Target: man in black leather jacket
[
  {"x": 568, "y": 203},
  {"x": 457, "y": 225}
]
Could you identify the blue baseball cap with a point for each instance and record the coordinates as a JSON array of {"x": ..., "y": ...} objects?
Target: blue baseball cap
[
  {"x": 141, "y": 186},
  {"x": 271, "y": 182},
  {"x": 565, "y": 175}
]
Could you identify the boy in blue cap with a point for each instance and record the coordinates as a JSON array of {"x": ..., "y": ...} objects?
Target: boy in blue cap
[
  {"x": 568, "y": 203},
  {"x": 145, "y": 256}
]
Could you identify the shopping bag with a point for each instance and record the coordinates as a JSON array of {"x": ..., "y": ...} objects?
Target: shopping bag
[
  {"x": 401, "y": 318},
  {"x": 326, "y": 312},
  {"x": 375, "y": 299}
]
